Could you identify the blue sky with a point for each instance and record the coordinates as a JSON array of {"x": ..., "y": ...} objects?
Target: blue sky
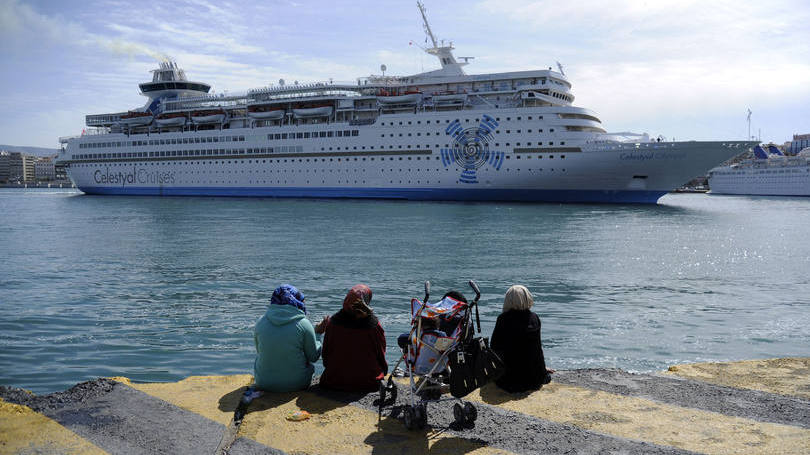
[{"x": 686, "y": 69}]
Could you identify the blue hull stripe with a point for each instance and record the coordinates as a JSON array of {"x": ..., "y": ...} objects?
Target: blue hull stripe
[{"x": 419, "y": 194}]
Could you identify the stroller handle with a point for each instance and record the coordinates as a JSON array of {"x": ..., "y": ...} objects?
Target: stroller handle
[
  {"x": 475, "y": 304},
  {"x": 475, "y": 288}
]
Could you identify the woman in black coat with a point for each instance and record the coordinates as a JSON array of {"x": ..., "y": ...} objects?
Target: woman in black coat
[{"x": 516, "y": 339}]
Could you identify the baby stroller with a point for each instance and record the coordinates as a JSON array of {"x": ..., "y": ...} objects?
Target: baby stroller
[{"x": 436, "y": 360}]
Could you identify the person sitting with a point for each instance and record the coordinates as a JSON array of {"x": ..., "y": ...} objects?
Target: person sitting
[
  {"x": 354, "y": 345},
  {"x": 516, "y": 339},
  {"x": 286, "y": 344}
]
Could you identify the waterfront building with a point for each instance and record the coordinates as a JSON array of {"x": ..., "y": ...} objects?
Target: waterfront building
[
  {"x": 21, "y": 167},
  {"x": 800, "y": 142},
  {"x": 5, "y": 157},
  {"x": 44, "y": 169}
]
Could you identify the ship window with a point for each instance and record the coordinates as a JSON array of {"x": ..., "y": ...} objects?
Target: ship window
[
  {"x": 355, "y": 133},
  {"x": 329, "y": 134},
  {"x": 322, "y": 134},
  {"x": 346, "y": 133}
]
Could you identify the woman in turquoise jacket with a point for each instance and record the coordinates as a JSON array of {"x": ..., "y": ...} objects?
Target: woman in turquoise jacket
[{"x": 286, "y": 345}]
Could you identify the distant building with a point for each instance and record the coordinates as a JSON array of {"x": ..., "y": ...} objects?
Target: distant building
[
  {"x": 21, "y": 167},
  {"x": 799, "y": 142},
  {"x": 5, "y": 157},
  {"x": 44, "y": 169}
]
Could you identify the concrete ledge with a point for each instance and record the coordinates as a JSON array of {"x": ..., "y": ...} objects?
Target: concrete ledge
[{"x": 718, "y": 408}]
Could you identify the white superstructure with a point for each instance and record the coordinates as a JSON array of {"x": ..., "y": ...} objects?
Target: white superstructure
[
  {"x": 439, "y": 135},
  {"x": 767, "y": 174}
]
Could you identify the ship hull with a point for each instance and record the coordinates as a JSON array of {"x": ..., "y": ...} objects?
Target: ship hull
[
  {"x": 614, "y": 173},
  {"x": 414, "y": 194},
  {"x": 785, "y": 181}
]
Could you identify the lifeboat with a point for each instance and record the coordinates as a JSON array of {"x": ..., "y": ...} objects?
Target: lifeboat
[
  {"x": 265, "y": 113},
  {"x": 449, "y": 98},
  {"x": 173, "y": 119},
  {"x": 312, "y": 111},
  {"x": 137, "y": 118},
  {"x": 410, "y": 97},
  {"x": 208, "y": 116}
]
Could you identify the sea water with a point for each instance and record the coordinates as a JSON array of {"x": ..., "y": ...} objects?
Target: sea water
[{"x": 157, "y": 289}]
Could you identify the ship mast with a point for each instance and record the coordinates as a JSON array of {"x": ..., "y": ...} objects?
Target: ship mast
[
  {"x": 450, "y": 67},
  {"x": 426, "y": 25}
]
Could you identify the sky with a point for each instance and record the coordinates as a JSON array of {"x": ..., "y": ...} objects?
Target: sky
[{"x": 684, "y": 69}]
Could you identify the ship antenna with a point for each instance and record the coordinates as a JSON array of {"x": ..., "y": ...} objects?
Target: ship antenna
[
  {"x": 749, "y": 125},
  {"x": 426, "y": 25}
]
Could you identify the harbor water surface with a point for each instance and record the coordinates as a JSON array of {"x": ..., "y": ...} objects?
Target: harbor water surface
[{"x": 157, "y": 289}]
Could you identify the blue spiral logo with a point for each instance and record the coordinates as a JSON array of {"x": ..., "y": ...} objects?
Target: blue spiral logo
[{"x": 470, "y": 149}]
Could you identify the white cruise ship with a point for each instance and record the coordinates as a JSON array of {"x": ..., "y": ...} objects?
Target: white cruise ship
[
  {"x": 439, "y": 135},
  {"x": 769, "y": 173}
]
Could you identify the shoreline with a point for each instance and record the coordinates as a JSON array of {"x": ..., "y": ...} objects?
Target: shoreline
[{"x": 757, "y": 406}]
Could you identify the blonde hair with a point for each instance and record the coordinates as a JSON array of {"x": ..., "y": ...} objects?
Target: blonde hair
[{"x": 517, "y": 298}]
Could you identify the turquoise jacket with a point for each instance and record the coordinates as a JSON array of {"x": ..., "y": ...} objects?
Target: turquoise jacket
[{"x": 286, "y": 347}]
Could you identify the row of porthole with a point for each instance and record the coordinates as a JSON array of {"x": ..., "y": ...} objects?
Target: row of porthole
[
  {"x": 279, "y": 160},
  {"x": 338, "y": 182},
  {"x": 466, "y": 120}
]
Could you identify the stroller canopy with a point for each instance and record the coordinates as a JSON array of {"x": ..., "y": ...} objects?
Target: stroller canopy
[{"x": 446, "y": 307}]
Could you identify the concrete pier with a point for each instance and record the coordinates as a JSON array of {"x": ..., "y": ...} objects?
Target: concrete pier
[{"x": 749, "y": 407}]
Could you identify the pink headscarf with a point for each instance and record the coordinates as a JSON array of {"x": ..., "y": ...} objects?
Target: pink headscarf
[{"x": 358, "y": 293}]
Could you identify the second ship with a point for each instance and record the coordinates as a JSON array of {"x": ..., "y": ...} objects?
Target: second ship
[{"x": 439, "y": 135}]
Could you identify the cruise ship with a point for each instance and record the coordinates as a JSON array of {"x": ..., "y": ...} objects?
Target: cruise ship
[
  {"x": 768, "y": 173},
  {"x": 437, "y": 135}
]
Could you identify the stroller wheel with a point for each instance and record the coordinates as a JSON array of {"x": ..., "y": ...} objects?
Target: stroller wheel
[
  {"x": 410, "y": 417},
  {"x": 392, "y": 390},
  {"x": 470, "y": 412},
  {"x": 421, "y": 415},
  {"x": 458, "y": 414}
]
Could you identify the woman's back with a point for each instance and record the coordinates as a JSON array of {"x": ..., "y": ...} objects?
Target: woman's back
[
  {"x": 353, "y": 353},
  {"x": 516, "y": 339},
  {"x": 285, "y": 349}
]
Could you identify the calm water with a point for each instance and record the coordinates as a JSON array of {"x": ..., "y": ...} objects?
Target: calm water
[{"x": 159, "y": 289}]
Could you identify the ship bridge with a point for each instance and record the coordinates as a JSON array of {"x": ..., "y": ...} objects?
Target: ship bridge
[{"x": 169, "y": 80}]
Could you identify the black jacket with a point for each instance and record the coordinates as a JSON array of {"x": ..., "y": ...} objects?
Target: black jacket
[{"x": 516, "y": 339}]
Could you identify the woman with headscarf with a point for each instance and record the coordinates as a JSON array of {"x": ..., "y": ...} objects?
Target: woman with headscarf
[
  {"x": 516, "y": 339},
  {"x": 286, "y": 345},
  {"x": 354, "y": 345}
]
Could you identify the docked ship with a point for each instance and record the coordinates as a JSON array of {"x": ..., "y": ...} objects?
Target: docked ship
[
  {"x": 768, "y": 173},
  {"x": 437, "y": 135}
]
